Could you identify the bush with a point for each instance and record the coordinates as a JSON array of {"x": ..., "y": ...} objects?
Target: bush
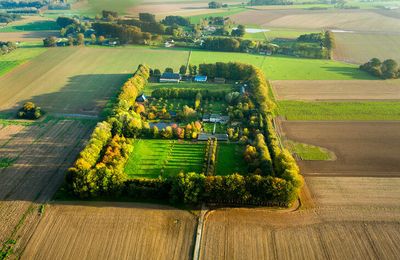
[{"x": 30, "y": 111}]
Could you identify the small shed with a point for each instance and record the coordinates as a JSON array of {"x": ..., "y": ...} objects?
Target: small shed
[
  {"x": 219, "y": 80},
  {"x": 170, "y": 77},
  {"x": 200, "y": 78},
  {"x": 141, "y": 98}
]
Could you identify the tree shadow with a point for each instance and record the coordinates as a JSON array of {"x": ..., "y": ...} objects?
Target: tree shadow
[{"x": 354, "y": 73}]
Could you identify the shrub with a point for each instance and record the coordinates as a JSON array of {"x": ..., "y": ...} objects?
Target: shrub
[{"x": 30, "y": 111}]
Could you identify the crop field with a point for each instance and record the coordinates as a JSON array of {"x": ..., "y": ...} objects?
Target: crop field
[
  {"x": 154, "y": 158},
  {"x": 354, "y": 20},
  {"x": 314, "y": 90},
  {"x": 230, "y": 159},
  {"x": 324, "y": 110},
  {"x": 286, "y": 68},
  {"x": 78, "y": 80},
  {"x": 17, "y": 57},
  {"x": 41, "y": 153},
  {"x": 112, "y": 230},
  {"x": 362, "y": 148},
  {"x": 361, "y": 47},
  {"x": 184, "y": 85},
  {"x": 362, "y": 212}
]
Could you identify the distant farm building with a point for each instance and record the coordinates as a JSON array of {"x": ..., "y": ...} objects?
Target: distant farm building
[
  {"x": 168, "y": 77},
  {"x": 200, "y": 78},
  {"x": 169, "y": 44},
  {"x": 205, "y": 136},
  {"x": 219, "y": 80},
  {"x": 216, "y": 118}
]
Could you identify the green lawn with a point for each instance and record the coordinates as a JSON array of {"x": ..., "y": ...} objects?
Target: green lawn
[
  {"x": 286, "y": 68},
  {"x": 184, "y": 85},
  {"x": 17, "y": 57},
  {"x": 33, "y": 26},
  {"x": 366, "y": 110},
  {"x": 230, "y": 159},
  {"x": 219, "y": 128},
  {"x": 308, "y": 152},
  {"x": 154, "y": 158}
]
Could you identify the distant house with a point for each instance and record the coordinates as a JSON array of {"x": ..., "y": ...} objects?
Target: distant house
[
  {"x": 219, "y": 80},
  {"x": 215, "y": 118},
  {"x": 169, "y": 44},
  {"x": 141, "y": 98},
  {"x": 200, "y": 78},
  {"x": 205, "y": 136},
  {"x": 170, "y": 77}
]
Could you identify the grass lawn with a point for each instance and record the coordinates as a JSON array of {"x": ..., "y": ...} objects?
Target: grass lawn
[
  {"x": 286, "y": 68},
  {"x": 230, "y": 159},
  {"x": 32, "y": 26},
  {"x": 185, "y": 85},
  {"x": 154, "y": 158},
  {"x": 17, "y": 57},
  {"x": 308, "y": 152},
  {"x": 366, "y": 110},
  {"x": 219, "y": 128}
]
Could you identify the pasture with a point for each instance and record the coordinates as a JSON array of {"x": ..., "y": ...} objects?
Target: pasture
[
  {"x": 361, "y": 148},
  {"x": 314, "y": 90},
  {"x": 78, "y": 80},
  {"x": 343, "y": 110},
  {"x": 361, "y": 47},
  {"x": 286, "y": 68},
  {"x": 154, "y": 158},
  {"x": 99, "y": 230}
]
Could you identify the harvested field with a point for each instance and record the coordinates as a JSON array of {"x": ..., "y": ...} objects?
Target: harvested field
[
  {"x": 78, "y": 80},
  {"x": 354, "y": 218},
  {"x": 336, "y": 89},
  {"x": 361, "y": 148},
  {"x": 42, "y": 152},
  {"x": 112, "y": 231},
  {"x": 27, "y": 36},
  {"x": 361, "y": 47},
  {"x": 355, "y": 20}
]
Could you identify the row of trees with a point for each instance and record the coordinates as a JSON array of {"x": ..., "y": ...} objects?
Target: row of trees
[
  {"x": 8, "y": 18},
  {"x": 210, "y": 156},
  {"x": 186, "y": 93},
  {"x": 388, "y": 69},
  {"x": 7, "y": 47}
]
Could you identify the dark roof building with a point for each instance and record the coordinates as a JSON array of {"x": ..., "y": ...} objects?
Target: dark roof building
[
  {"x": 141, "y": 98},
  {"x": 170, "y": 77},
  {"x": 200, "y": 78}
]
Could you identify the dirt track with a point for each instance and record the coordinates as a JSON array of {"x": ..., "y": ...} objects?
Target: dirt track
[
  {"x": 361, "y": 148},
  {"x": 354, "y": 218},
  {"x": 336, "y": 89},
  {"x": 113, "y": 231}
]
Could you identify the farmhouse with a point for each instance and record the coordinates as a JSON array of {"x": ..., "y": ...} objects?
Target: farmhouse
[
  {"x": 215, "y": 118},
  {"x": 200, "y": 78},
  {"x": 170, "y": 77}
]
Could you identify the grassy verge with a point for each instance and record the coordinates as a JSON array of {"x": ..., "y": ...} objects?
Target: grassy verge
[
  {"x": 230, "y": 159},
  {"x": 368, "y": 110},
  {"x": 162, "y": 158},
  {"x": 309, "y": 152}
]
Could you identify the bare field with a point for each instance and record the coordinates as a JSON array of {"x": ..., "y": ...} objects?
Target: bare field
[
  {"x": 350, "y": 221},
  {"x": 112, "y": 231},
  {"x": 42, "y": 153},
  {"x": 361, "y": 47},
  {"x": 361, "y": 148},
  {"x": 78, "y": 80},
  {"x": 336, "y": 89},
  {"x": 357, "y": 20},
  {"x": 26, "y": 36}
]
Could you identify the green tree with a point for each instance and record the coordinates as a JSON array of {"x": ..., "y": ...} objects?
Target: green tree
[
  {"x": 390, "y": 69},
  {"x": 80, "y": 39},
  {"x": 182, "y": 70}
]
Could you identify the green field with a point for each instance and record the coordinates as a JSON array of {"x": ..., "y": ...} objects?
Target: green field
[
  {"x": 290, "y": 68},
  {"x": 18, "y": 57},
  {"x": 227, "y": 12},
  {"x": 154, "y": 158},
  {"x": 185, "y": 85},
  {"x": 33, "y": 26},
  {"x": 308, "y": 152},
  {"x": 230, "y": 159},
  {"x": 274, "y": 33},
  {"x": 368, "y": 110}
]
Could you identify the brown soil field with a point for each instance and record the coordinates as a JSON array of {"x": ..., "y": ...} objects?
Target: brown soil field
[
  {"x": 354, "y": 218},
  {"x": 361, "y": 148},
  {"x": 112, "y": 231},
  {"x": 361, "y": 47},
  {"x": 42, "y": 152},
  {"x": 336, "y": 89},
  {"x": 78, "y": 80},
  {"x": 26, "y": 36},
  {"x": 356, "y": 20}
]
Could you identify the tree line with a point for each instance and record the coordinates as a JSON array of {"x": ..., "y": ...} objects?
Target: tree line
[
  {"x": 7, "y": 47},
  {"x": 388, "y": 69}
]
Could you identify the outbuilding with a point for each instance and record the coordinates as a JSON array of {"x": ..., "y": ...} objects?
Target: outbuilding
[
  {"x": 200, "y": 78},
  {"x": 170, "y": 77}
]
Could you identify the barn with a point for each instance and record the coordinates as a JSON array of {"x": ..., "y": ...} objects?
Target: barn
[{"x": 168, "y": 77}]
